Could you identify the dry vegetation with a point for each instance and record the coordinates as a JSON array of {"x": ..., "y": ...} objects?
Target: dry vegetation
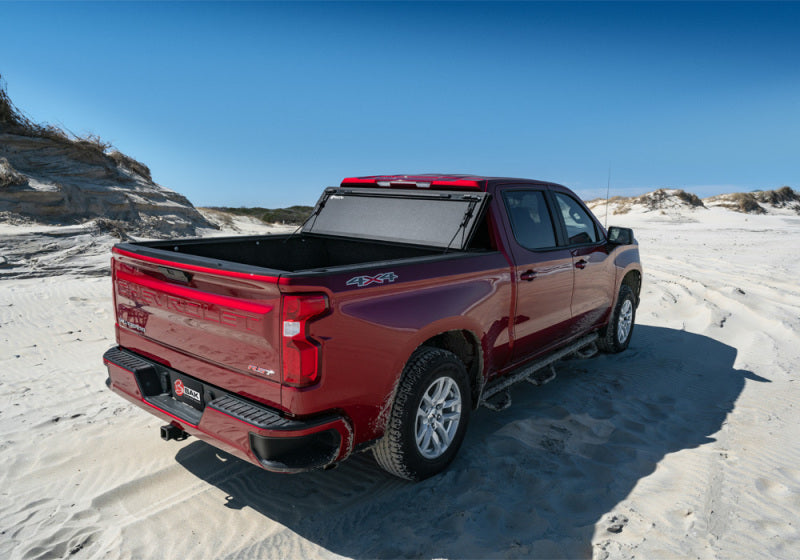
[
  {"x": 743, "y": 202},
  {"x": 784, "y": 197},
  {"x": 293, "y": 215},
  {"x": 89, "y": 148},
  {"x": 129, "y": 163},
  {"x": 689, "y": 198},
  {"x": 656, "y": 199},
  {"x": 117, "y": 228},
  {"x": 754, "y": 202}
]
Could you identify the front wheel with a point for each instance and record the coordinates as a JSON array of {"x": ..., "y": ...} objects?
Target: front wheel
[
  {"x": 429, "y": 416},
  {"x": 617, "y": 334}
]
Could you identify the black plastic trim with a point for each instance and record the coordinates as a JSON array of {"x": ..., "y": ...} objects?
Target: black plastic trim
[
  {"x": 159, "y": 250},
  {"x": 262, "y": 417},
  {"x": 294, "y": 454},
  {"x": 154, "y": 381}
]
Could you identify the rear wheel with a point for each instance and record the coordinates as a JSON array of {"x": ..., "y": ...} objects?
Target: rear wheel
[
  {"x": 617, "y": 334},
  {"x": 429, "y": 416}
]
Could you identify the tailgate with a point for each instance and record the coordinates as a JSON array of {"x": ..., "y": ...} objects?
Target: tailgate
[{"x": 217, "y": 325}]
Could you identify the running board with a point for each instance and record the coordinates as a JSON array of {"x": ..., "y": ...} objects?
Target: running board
[{"x": 534, "y": 373}]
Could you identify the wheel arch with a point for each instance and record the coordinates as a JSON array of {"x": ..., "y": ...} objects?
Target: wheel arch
[
  {"x": 467, "y": 348},
  {"x": 633, "y": 278}
]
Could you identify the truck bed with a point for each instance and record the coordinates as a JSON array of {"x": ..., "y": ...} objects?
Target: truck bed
[{"x": 286, "y": 253}]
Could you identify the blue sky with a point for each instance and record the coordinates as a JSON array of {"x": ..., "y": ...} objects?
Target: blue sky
[{"x": 267, "y": 103}]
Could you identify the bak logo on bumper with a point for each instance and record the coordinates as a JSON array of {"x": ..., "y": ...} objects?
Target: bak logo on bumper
[
  {"x": 362, "y": 281},
  {"x": 181, "y": 390}
]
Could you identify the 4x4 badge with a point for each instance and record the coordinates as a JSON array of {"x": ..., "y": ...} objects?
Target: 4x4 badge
[{"x": 362, "y": 281}]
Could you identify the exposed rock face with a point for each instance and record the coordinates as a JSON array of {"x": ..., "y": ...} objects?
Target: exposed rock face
[
  {"x": 49, "y": 177},
  {"x": 56, "y": 181},
  {"x": 9, "y": 176}
]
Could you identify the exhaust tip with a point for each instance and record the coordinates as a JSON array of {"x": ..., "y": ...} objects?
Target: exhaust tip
[{"x": 170, "y": 431}]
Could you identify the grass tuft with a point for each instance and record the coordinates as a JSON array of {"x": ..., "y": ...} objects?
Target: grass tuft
[{"x": 129, "y": 163}]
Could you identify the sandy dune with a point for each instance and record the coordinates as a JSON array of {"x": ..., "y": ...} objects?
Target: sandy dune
[
  {"x": 54, "y": 180},
  {"x": 684, "y": 446}
]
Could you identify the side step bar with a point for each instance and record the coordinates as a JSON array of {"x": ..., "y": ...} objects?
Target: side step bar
[{"x": 496, "y": 395}]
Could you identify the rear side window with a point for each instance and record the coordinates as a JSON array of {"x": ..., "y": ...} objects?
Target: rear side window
[
  {"x": 580, "y": 226},
  {"x": 530, "y": 220}
]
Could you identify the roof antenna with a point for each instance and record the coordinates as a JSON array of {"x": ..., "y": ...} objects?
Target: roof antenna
[{"x": 608, "y": 191}]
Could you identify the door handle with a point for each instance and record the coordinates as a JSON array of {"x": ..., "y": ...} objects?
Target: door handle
[
  {"x": 529, "y": 275},
  {"x": 581, "y": 264}
]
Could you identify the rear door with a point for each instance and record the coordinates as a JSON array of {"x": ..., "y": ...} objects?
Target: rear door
[{"x": 543, "y": 270}]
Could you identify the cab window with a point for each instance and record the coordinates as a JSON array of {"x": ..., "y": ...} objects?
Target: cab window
[
  {"x": 580, "y": 226},
  {"x": 530, "y": 219}
]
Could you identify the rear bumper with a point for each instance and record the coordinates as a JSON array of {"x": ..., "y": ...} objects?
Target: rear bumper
[{"x": 251, "y": 431}]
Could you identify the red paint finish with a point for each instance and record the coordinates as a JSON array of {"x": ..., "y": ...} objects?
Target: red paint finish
[
  {"x": 370, "y": 333},
  {"x": 352, "y": 340},
  {"x": 218, "y": 328}
]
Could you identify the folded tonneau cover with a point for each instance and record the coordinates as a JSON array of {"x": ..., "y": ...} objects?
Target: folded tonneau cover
[{"x": 429, "y": 218}]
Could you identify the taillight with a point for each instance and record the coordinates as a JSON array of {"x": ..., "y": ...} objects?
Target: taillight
[{"x": 300, "y": 354}]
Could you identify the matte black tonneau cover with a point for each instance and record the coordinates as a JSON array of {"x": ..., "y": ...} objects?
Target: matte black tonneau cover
[{"x": 444, "y": 219}]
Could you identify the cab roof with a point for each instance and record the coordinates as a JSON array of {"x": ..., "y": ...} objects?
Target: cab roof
[{"x": 434, "y": 181}]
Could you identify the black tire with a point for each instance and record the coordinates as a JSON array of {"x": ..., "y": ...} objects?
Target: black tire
[
  {"x": 398, "y": 452},
  {"x": 614, "y": 339}
]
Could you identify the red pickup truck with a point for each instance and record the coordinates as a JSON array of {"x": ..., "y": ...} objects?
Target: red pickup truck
[{"x": 401, "y": 305}]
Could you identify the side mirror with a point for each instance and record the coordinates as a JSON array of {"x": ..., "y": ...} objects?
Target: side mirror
[{"x": 620, "y": 236}]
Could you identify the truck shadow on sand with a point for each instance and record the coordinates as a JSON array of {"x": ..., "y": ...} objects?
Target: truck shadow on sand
[{"x": 535, "y": 480}]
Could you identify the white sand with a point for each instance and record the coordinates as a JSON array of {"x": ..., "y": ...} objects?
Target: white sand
[{"x": 686, "y": 445}]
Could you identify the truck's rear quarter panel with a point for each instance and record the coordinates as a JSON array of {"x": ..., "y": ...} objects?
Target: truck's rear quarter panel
[{"x": 372, "y": 330}]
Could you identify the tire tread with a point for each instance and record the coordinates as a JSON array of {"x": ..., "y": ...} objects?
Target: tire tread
[
  {"x": 390, "y": 452},
  {"x": 608, "y": 336}
]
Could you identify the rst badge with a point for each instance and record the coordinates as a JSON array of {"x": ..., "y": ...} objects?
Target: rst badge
[
  {"x": 362, "y": 281},
  {"x": 260, "y": 370}
]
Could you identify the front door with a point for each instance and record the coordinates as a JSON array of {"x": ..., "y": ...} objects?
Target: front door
[
  {"x": 544, "y": 274},
  {"x": 594, "y": 269}
]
